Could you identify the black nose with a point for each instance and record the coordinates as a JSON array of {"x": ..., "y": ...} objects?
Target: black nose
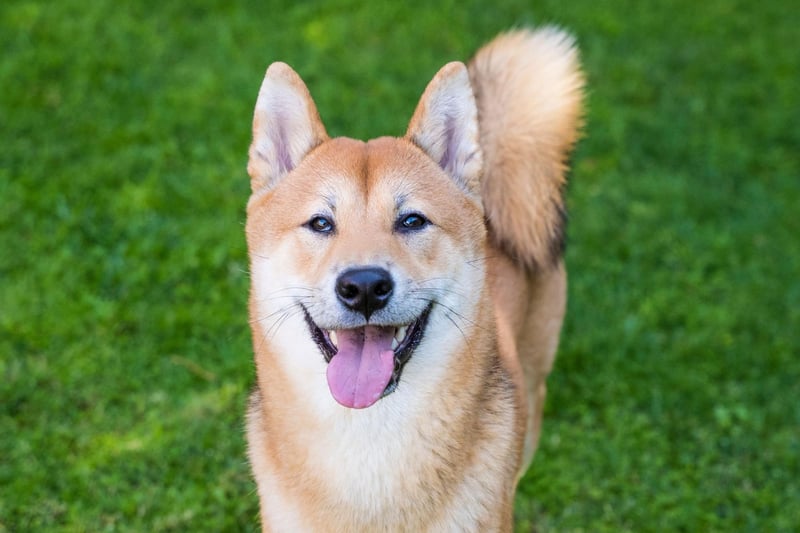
[{"x": 364, "y": 289}]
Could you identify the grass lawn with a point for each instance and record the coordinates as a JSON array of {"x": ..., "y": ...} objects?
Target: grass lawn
[{"x": 125, "y": 356}]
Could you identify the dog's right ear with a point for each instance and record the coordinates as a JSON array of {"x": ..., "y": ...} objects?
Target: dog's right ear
[{"x": 286, "y": 126}]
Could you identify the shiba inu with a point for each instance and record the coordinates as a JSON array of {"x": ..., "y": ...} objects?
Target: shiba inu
[{"x": 407, "y": 295}]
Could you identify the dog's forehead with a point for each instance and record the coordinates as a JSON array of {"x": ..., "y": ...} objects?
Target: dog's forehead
[
  {"x": 379, "y": 167},
  {"x": 388, "y": 156}
]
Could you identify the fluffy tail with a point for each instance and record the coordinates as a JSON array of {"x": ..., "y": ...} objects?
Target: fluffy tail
[{"x": 529, "y": 90}]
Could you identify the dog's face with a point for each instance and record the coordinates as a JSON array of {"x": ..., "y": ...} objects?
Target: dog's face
[{"x": 362, "y": 252}]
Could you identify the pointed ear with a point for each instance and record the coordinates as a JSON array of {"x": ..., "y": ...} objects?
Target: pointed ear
[
  {"x": 286, "y": 126},
  {"x": 445, "y": 126}
]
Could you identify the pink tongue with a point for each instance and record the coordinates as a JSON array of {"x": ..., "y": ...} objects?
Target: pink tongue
[{"x": 363, "y": 366}]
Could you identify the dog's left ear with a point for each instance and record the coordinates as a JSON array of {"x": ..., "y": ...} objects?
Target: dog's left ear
[
  {"x": 286, "y": 126},
  {"x": 445, "y": 126}
]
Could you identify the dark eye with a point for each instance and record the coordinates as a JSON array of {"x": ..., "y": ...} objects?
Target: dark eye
[
  {"x": 412, "y": 221},
  {"x": 320, "y": 224}
]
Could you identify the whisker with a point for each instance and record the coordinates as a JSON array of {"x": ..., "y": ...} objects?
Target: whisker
[
  {"x": 302, "y": 302},
  {"x": 466, "y": 340},
  {"x": 440, "y": 289},
  {"x": 427, "y": 280},
  {"x": 300, "y": 288},
  {"x": 280, "y": 321},
  {"x": 267, "y": 317},
  {"x": 464, "y": 319},
  {"x": 483, "y": 258},
  {"x": 436, "y": 291}
]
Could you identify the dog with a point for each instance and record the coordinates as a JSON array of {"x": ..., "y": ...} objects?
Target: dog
[{"x": 407, "y": 295}]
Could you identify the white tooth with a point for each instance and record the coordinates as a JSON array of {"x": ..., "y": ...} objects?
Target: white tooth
[
  {"x": 395, "y": 343},
  {"x": 332, "y": 337},
  {"x": 401, "y": 333}
]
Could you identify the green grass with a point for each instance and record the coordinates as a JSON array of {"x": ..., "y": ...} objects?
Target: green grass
[{"x": 125, "y": 356}]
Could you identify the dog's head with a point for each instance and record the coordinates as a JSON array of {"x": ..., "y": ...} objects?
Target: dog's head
[{"x": 363, "y": 252}]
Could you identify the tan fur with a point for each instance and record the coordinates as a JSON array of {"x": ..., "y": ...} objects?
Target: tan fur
[
  {"x": 529, "y": 91},
  {"x": 444, "y": 451}
]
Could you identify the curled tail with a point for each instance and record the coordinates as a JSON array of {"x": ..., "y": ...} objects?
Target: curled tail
[{"x": 529, "y": 89}]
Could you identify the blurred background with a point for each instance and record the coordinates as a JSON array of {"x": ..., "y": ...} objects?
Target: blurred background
[{"x": 125, "y": 357}]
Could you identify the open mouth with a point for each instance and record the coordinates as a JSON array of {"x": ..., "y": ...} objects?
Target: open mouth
[{"x": 365, "y": 363}]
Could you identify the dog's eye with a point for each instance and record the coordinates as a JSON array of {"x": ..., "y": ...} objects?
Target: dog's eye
[
  {"x": 320, "y": 224},
  {"x": 410, "y": 222}
]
